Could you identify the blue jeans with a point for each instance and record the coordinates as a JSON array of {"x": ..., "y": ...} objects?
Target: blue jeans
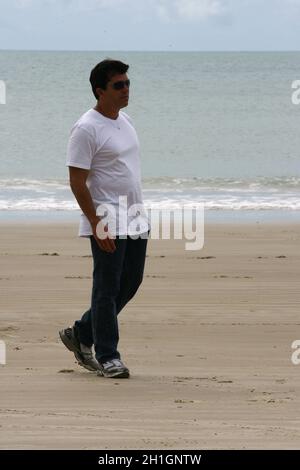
[{"x": 116, "y": 278}]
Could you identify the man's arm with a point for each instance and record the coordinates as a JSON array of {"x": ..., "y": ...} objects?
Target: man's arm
[{"x": 78, "y": 177}]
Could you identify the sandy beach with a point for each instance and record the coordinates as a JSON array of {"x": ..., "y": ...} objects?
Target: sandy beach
[{"x": 207, "y": 339}]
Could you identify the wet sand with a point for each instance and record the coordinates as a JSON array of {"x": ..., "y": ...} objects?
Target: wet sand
[{"x": 207, "y": 339}]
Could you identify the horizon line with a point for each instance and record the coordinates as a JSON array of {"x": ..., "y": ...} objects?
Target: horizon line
[{"x": 150, "y": 50}]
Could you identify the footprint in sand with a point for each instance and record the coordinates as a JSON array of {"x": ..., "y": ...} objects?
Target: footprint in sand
[
  {"x": 48, "y": 254},
  {"x": 223, "y": 276},
  {"x": 243, "y": 277},
  {"x": 183, "y": 401},
  {"x": 77, "y": 277},
  {"x": 149, "y": 275},
  {"x": 7, "y": 329}
]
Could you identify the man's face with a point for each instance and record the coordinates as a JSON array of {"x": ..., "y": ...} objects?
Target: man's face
[{"x": 117, "y": 98}]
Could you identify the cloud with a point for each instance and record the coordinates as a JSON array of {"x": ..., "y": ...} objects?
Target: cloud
[
  {"x": 24, "y": 3},
  {"x": 95, "y": 4},
  {"x": 166, "y": 10},
  {"x": 188, "y": 10},
  {"x": 292, "y": 2}
]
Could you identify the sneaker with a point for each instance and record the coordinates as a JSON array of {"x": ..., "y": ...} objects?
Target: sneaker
[
  {"x": 113, "y": 369},
  {"x": 83, "y": 354}
]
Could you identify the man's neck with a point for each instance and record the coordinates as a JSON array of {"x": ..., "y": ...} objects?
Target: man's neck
[{"x": 107, "y": 112}]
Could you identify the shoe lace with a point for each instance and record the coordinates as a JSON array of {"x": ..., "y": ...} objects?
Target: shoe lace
[
  {"x": 117, "y": 363},
  {"x": 112, "y": 363}
]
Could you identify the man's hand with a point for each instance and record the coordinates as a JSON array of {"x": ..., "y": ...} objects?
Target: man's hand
[
  {"x": 107, "y": 244},
  {"x": 78, "y": 177}
]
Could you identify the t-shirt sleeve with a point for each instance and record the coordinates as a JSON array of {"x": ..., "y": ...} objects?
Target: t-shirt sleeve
[{"x": 81, "y": 149}]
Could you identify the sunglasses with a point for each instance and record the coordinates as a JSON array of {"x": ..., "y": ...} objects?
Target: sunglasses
[{"x": 121, "y": 84}]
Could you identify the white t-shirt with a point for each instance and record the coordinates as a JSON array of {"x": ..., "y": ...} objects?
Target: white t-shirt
[{"x": 109, "y": 148}]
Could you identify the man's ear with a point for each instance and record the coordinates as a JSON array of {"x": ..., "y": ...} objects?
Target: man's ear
[{"x": 99, "y": 92}]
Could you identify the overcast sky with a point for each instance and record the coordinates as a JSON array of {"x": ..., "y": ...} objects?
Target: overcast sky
[{"x": 158, "y": 25}]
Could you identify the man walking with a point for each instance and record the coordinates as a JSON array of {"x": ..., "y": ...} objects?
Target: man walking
[{"x": 104, "y": 169}]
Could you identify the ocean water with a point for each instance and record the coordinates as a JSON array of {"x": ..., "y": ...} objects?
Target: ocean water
[{"x": 215, "y": 128}]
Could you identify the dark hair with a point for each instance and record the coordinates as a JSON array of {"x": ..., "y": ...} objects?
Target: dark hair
[{"x": 103, "y": 72}]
